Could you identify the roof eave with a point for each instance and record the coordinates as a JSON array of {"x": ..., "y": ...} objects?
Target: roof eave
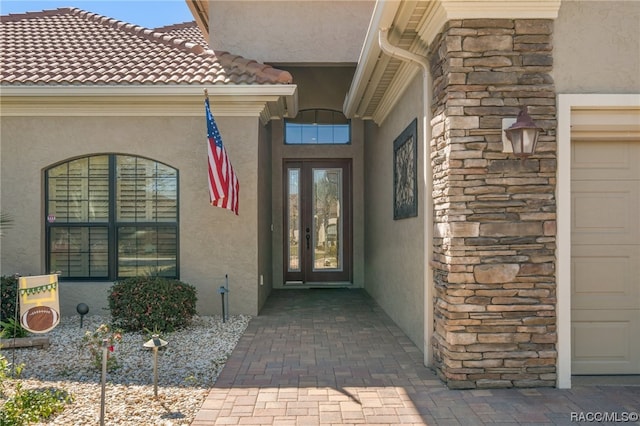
[
  {"x": 383, "y": 16},
  {"x": 200, "y": 11},
  {"x": 387, "y": 14}
]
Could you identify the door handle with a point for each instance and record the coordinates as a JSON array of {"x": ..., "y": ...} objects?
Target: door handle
[{"x": 308, "y": 238}]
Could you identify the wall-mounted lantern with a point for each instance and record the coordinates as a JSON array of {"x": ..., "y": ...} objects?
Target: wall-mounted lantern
[{"x": 522, "y": 134}]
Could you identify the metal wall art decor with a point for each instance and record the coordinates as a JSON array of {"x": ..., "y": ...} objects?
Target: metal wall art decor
[{"x": 405, "y": 173}]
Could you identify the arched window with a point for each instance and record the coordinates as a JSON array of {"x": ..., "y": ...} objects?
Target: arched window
[
  {"x": 112, "y": 216},
  {"x": 318, "y": 126}
]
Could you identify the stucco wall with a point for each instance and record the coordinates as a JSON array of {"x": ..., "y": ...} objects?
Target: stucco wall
[
  {"x": 322, "y": 86},
  {"x": 596, "y": 47},
  {"x": 265, "y": 270},
  {"x": 213, "y": 241},
  {"x": 394, "y": 249},
  {"x": 285, "y": 31}
]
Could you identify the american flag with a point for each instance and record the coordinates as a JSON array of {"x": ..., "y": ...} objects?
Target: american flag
[{"x": 224, "y": 187}]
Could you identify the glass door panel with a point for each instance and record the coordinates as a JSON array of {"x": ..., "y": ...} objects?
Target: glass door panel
[
  {"x": 327, "y": 223},
  {"x": 293, "y": 223}
]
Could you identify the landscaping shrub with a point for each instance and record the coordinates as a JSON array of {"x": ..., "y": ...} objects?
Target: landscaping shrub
[
  {"x": 12, "y": 328},
  {"x": 9, "y": 327},
  {"x": 159, "y": 303},
  {"x": 28, "y": 406},
  {"x": 4, "y": 372},
  {"x": 8, "y": 289}
]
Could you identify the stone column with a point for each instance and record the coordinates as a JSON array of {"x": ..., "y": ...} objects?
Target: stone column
[{"x": 495, "y": 236}]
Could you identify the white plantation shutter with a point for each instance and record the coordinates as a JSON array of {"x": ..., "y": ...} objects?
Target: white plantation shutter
[
  {"x": 79, "y": 190},
  {"x": 147, "y": 191}
]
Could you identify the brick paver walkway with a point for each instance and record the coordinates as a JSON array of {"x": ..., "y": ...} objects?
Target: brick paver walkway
[{"x": 332, "y": 356}]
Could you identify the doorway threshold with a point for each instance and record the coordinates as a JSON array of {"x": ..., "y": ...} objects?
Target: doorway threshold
[{"x": 315, "y": 285}]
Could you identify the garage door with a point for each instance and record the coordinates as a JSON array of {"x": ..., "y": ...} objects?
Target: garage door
[{"x": 605, "y": 257}]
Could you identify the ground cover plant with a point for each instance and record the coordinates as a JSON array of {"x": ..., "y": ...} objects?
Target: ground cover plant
[{"x": 26, "y": 406}]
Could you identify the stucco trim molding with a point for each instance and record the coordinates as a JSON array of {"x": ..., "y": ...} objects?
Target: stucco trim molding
[
  {"x": 266, "y": 102},
  {"x": 575, "y": 109},
  {"x": 447, "y": 10}
]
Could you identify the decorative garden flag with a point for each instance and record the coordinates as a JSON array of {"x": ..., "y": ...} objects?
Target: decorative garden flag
[{"x": 39, "y": 303}]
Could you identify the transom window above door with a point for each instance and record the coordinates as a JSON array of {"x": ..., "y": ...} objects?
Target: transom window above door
[
  {"x": 111, "y": 216},
  {"x": 318, "y": 126}
]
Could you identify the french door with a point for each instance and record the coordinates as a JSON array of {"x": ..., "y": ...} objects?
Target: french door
[{"x": 317, "y": 203}]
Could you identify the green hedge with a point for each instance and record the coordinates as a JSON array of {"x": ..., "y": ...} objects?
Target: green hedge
[
  {"x": 8, "y": 289},
  {"x": 152, "y": 303}
]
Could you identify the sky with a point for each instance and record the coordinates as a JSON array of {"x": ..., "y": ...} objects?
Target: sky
[{"x": 146, "y": 13}]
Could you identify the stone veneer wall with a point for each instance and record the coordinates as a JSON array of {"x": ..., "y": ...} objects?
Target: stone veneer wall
[{"x": 494, "y": 245}]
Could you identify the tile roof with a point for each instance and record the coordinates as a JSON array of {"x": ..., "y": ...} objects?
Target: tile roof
[
  {"x": 70, "y": 46},
  {"x": 187, "y": 31}
]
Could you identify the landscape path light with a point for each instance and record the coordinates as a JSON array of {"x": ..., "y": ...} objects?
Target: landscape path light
[
  {"x": 105, "y": 354},
  {"x": 155, "y": 343},
  {"x": 222, "y": 291},
  {"x": 82, "y": 309}
]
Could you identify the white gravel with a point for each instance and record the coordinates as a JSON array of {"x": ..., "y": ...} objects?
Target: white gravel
[{"x": 187, "y": 367}]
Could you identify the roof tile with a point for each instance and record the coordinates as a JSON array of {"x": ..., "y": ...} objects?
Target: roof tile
[
  {"x": 70, "y": 46},
  {"x": 186, "y": 30}
]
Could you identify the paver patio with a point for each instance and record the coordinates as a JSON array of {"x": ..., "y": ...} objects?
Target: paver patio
[{"x": 332, "y": 356}]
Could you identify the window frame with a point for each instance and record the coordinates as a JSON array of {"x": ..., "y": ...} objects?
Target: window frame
[{"x": 112, "y": 224}]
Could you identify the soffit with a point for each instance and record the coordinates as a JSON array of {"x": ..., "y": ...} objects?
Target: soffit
[
  {"x": 393, "y": 75},
  {"x": 200, "y": 11},
  {"x": 380, "y": 81}
]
